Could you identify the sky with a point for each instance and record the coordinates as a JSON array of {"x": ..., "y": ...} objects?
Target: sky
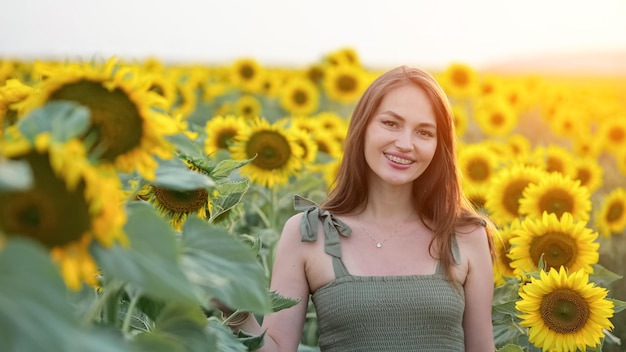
[{"x": 293, "y": 32}]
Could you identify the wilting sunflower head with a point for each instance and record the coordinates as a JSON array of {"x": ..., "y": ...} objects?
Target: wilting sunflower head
[
  {"x": 344, "y": 83},
  {"x": 277, "y": 155},
  {"x": 299, "y": 96},
  {"x": 555, "y": 193},
  {"x": 221, "y": 132},
  {"x": 177, "y": 206},
  {"x": 611, "y": 217},
  {"x": 68, "y": 206},
  {"x": 565, "y": 312},
  {"x": 477, "y": 163},
  {"x": 129, "y": 130},
  {"x": 506, "y": 189},
  {"x": 558, "y": 242}
]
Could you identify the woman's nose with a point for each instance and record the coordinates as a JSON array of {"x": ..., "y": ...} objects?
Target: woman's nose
[{"x": 404, "y": 141}]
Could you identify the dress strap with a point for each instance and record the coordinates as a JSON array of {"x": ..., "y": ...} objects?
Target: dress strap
[
  {"x": 333, "y": 228},
  {"x": 456, "y": 254}
]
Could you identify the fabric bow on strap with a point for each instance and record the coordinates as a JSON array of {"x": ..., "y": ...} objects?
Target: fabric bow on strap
[{"x": 333, "y": 227}]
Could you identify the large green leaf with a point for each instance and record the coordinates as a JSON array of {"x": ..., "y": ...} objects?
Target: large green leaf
[
  {"x": 225, "y": 167},
  {"x": 229, "y": 194},
  {"x": 510, "y": 348},
  {"x": 179, "y": 327},
  {"x": 65, "y": 120},
  {"x": 35, "y": 314},
  {"x": 151, "y": 260},
  {"x": 175, "y": 175},
  {"x": 224, "y": 267}
]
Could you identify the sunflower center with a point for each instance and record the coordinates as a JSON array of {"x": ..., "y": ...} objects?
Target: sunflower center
[
  {"x": 224, "y": 138},
  {"x": 565, "y": 311},
  {"x": 617, "y": 135},
  {"x": 497, "y": 119},
  {"x": 512, "y": 194},
  {"x": 615, "y": 212},
  {"x": 271, "y": 148},
  {"x": 557, "y": 201},
  {"x": 554, "y": 164},
  {"x": 246, "y": 72},
  {"x": 584, "y": 176},
  {"x": 460, "y": 78},
  {"x": 181, "y": 201},
  {"x": 558, "y": 249},
  {"x": 478, "y": 170},
  {"x": 48, "y": 212},
  {"x": 346, "y": 83},
  {"x": 300, "y": 97},
  {"x": 115, "y": 118}
]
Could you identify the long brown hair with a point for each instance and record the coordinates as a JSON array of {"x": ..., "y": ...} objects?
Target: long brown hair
[{"x": 439, "y": 200}]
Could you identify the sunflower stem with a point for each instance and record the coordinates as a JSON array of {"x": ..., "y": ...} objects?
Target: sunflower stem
[
  {"x": 261, "y": 214},
  {"x": 129, "y": 312},
  {"x": 230, "y": 317},
  {"x": 95, "y": 311}
]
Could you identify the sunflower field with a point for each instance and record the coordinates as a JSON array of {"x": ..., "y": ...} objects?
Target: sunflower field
[{"x": 134, "y": 196}]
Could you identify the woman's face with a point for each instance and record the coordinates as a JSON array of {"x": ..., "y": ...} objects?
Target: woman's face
[{"x": 401, "y": 137}]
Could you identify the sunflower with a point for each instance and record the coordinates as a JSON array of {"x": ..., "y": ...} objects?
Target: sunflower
[
  {"x": 329, "y": 173},
  {"x": 611, "y": 217},
  {"x": 587, "y": 145},
  {"x": 13, "y": 92},
  {"x": 506, "y": 190},
  {"x": 247, "y": 75},
  {"x": 125, "y": 116},
  {"x": 564, "y": 312},
  {"x": 495, "y": 117},
  {"x": 567, "y": 122},
  {"x": 613, "y": 133},
  {"x": 557, "y": 194},
  {"x": 69, "y": 205},
  {"x": 588, "y": 171},
  {"x": 461, "y": 119},
  {"x": 502, "y": 247},
  {"x": 299, "y": 96},
  {"x": 343, "y": 56},
  {"x": 476, "y": 195},
  {"x": 558, "y": 159},
  {"x": 327, "y": 143},
  {"x": 344, "y": 83},
  {"x": 305, "y": 123},
  {"x": 248, "y": 107},
  {"x": 221, "y": 132},
  {"x": 516, "y": 95},
  {"x": 308, "y": 145},
  {"x": 489, "y": 86},
  {"x": 559, "y": 241},
  {"x": 460, "y": 80},
  {"x": 177, "y": 205},
  {"x": 276, "y": 153},
  {"x": 477, "y": 163},
  {"x": 519, "y": 145},
  {"x": 272, "y": 83},
  {"x": 621, "y": 161}
]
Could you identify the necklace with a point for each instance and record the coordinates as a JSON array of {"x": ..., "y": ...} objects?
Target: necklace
[{"x": 379, "y": 244}]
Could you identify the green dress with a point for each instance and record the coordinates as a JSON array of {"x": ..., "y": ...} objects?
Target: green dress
[{"x": 382, "y": 313}]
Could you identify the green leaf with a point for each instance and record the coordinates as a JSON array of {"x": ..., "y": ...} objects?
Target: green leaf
[
  {"x": 280, "y": 302},
  {"x": 618, "y": 305},
  {"x": 510, "y": 348},
  {"x": 173, "y": 174},
  {"x": 15, "y": 175},
  {"x": 252, "y": 342},
  {"x": 33, "y": 293},
  {"x": 223, "y": 266},
  {"x": 186, "y": 146},
  {"x": 507, "y": 308},
  {"x": 225, "y": 167},
  {"x": 230, "y": 193},
  {"x": 226, "y": 340},
  {"x": 602, "y": 276},
  {"x": 63, "y": 119},
  {"x": 151, "y": 260}
]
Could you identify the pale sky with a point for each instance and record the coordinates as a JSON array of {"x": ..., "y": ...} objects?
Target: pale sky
[{"x": 384, "y": 33}]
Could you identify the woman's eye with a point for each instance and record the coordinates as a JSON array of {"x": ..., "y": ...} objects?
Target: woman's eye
[
  {"x": 426, "y": 133},
  {"x": 389, "y": 123}
]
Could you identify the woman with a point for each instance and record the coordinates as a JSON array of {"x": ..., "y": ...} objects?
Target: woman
[{"x": 395, "y": 259}]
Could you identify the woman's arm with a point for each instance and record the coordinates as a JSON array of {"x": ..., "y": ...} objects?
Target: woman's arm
[
  {"x": 284, "y": 328},
  {"x": 478, "y": 292}
]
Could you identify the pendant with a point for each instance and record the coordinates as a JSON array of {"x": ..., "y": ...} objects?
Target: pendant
[{"x": 378, "y": 244}]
